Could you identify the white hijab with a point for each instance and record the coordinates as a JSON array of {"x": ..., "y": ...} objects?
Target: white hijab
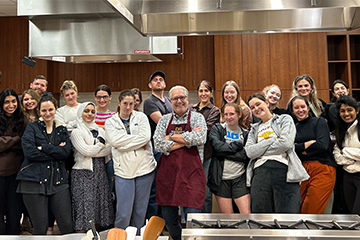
[{"x": 85, "y": 127}]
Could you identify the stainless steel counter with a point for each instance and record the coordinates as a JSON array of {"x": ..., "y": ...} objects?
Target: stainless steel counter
[{"x": 271, "y": 226}]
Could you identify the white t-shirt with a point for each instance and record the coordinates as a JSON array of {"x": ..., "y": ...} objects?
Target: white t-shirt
[
  {"x": 265, "y": 133},
  {"x": 233, "y": 169}
]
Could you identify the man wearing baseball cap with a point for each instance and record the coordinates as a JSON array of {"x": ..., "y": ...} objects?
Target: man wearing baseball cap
[{"x": 155, "y": 106}]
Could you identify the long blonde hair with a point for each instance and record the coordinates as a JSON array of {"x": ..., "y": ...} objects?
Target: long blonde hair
[{"x": 313, "y": 98}]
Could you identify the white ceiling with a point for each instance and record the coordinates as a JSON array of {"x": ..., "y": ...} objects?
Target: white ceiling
[{"x": 7, "y": 8}]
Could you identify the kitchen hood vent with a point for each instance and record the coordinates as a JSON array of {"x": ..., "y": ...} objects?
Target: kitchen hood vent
[
  {"x": 79, "y": 31},
  {"x": 191, "y": 17}
]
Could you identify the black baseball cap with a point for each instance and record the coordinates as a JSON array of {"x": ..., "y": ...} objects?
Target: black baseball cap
[{"x": 157, "y": 73}]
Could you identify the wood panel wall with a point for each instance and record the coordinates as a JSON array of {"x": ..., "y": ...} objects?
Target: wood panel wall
[
  {"x": 271, "y": 59},
  {"x": 252, "y": 60}
]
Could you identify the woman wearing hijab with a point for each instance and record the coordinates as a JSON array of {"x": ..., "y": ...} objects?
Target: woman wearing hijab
[{"x": 90, "y": 192}]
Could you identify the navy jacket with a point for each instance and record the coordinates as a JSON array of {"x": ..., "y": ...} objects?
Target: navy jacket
[{"x": 36, "y": 166}]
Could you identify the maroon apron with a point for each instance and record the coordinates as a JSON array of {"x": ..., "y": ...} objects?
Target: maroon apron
[{"x": 180, "y": 179}]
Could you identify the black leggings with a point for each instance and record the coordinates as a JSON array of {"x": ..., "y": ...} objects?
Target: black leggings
[
  {"x": 352, "y": 191},
  {"x": 10, "y": 206},
  {"x": 38, "y": 207}
]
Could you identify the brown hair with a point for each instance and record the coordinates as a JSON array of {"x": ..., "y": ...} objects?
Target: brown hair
[
  {"x": 239, "y": 111},
  {"x": 137, "y": 91},
  {"x": 208, "y": 87},
  {"x": 42, "y": 77},
  {"x": 35, "y": 96},
  {"x": 238, "y": 99}
]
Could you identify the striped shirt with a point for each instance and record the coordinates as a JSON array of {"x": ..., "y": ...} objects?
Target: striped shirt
[{"x": 101, "y": 117}]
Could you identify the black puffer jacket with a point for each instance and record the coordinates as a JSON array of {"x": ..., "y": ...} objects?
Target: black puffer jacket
[
  {"x": 232, "y": 151},
  {"x": 36, "y": 166}
]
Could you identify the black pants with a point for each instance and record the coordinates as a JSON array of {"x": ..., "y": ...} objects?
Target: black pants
[
  {"x": 38, "y": 207},
  {"x": 10, "y": 206},
  {"x": 352, "y": 191},
  {"x": 270, "y": 193}
]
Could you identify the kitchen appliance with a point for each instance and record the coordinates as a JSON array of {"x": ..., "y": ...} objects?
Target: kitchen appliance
[
  {"x": 271, "y": 226},
  {"x": 187, "y": 17},
  {"x": 87, "y": 31}
]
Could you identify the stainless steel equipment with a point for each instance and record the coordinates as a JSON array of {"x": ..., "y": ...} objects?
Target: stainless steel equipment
[
  {"x": 84, "y": 31},
  {"x": 186, "y": 17},
  {"x": 271, "y": 226}
]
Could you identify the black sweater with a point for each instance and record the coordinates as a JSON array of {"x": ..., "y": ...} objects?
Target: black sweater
[{"x": 313, "y": 128}]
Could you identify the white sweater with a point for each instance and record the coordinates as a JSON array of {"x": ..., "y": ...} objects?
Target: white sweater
[
  {"x": 67, "y": 116},
  {"x": 132, "y": 153},
  {"x": 350, "y": 156},
  {"x": 84, "y": 152}
]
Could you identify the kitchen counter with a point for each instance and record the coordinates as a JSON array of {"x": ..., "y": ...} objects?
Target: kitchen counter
[{"x": 73, "y": 236}]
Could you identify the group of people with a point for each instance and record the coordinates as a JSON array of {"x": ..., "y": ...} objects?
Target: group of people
[{"x": 64, "y": 163}]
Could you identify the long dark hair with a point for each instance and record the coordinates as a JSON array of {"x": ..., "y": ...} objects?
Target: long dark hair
[
  {"x": 17, "y": 119},
  {"x": 333, "y": 99},
  {"x": 341, "y": 126},
  {"x": 208, "y": 86},
  {"x": 103, "y": 87}
]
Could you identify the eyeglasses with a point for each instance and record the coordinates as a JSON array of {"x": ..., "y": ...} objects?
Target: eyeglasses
[
  {"x": 181, "y": 98},
  {"x": 102, "y": 97}
]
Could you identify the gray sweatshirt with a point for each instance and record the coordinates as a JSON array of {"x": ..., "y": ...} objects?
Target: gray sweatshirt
[{"x": 285, "y": 129}]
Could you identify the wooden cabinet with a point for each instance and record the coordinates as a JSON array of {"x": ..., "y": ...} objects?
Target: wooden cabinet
[
  {"x": 344, "y": 59},
  {"x": 312, "y": 58},
  {"x": 284, "y": 60},
  {"x": 256, "y": 61}
]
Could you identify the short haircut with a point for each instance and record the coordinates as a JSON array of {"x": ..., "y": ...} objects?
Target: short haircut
[
  {"x": 40, "y": 77},
  {"x": 186, "y": 92}
]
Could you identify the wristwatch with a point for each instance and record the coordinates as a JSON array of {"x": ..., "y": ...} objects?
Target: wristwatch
[{"x": 170, "y": 135}]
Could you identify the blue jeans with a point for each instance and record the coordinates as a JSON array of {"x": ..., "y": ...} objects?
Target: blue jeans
[
  {"x": 170, "y": 214},
  {"x": 132, "y": 197},
  {"x": 152, "y": 206}
]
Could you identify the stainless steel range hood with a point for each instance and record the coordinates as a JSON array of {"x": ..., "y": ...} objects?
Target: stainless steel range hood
[
  {"x": 81, "y": 31},
  {"x": 188, "y": 17}
]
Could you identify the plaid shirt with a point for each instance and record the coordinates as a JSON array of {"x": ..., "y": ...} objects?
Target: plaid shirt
[{"x": 197, "y": 138}]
